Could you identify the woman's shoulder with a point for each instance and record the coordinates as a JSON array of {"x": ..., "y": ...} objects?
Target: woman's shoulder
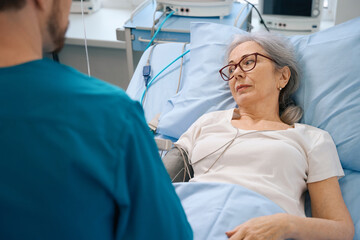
[
  {"x": 211, "y": 118},
  {"x": 216, "y": 116},
  {"x": 312, "y": 133},
  {"x": 310, "y": 129}
]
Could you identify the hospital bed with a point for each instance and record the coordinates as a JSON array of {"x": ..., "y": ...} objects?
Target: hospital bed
[{"x": 329, "y": 94}]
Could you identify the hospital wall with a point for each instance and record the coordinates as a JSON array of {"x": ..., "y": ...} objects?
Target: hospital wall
[{"x": 108, "y": 64}]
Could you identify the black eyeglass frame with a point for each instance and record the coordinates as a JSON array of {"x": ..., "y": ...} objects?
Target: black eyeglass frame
[{"x": 226, "y": 78}]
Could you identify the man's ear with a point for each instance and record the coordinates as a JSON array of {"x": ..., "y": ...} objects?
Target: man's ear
[
  {"x": 41, "y": 4},
  {"x": 285, "y": 74}
]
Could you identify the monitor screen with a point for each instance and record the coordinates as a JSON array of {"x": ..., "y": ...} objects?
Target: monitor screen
[{"x": 288, "y": 7}]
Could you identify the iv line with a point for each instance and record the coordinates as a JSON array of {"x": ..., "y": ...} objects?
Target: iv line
[
  {"x": 85, "y": 39},
  {"x": 162, "y": 23},
  {"x": 152, "y": 80}
]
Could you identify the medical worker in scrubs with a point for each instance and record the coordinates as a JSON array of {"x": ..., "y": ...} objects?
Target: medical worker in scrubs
[{"x": 77, "y": 160}]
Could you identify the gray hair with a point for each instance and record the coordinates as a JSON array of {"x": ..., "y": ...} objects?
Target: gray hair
[{"x": 282, "y": 52}]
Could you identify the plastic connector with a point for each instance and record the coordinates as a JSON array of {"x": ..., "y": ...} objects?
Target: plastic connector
[
  {"x": 146, "y": 74},
  {"x": 159, "y": 7}
]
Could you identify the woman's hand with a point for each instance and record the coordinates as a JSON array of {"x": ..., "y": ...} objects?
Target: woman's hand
[{"x": 272, "y": 227}]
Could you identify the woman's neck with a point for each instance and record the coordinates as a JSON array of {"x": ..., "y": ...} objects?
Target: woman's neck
[
  {"x": 259, "y": 112},
  {"x": 257, "y": 121}
]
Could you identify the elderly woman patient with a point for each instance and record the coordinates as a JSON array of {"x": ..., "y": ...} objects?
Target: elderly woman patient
[{"x": 259, "y": 145}]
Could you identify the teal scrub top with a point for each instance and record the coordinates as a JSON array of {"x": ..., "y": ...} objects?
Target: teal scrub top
[{"x": 77, "y": 161}]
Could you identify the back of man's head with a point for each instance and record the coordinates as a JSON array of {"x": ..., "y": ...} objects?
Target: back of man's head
[
  {"x": 31, "y": 27},
  {"x": 11, "y": 4}
]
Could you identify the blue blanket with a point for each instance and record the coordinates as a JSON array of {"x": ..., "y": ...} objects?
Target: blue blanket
[{"x": 214, "y": 208}]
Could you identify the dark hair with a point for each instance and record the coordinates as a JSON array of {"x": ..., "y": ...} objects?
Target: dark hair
[
  {"x": 282, "y": 52},
  {"x": 11, "y": 4}
]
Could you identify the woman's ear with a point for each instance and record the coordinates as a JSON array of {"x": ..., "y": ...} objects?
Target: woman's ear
[{"x": 285, "y": 74}]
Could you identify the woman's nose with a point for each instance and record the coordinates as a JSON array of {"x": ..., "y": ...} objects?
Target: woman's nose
[{"x": 238, "y": 73}]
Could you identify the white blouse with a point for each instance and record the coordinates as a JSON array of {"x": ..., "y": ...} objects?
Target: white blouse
[{"x": 275, "y": 163}]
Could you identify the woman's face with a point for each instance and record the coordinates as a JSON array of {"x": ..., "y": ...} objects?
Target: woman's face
[{"x": 261, "y": 84}]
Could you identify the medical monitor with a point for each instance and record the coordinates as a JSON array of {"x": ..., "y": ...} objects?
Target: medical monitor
[
  {"x": 89, "y": 6},
  {"x": 198, "y": 8},
  {"x": 292, "y": 15}
]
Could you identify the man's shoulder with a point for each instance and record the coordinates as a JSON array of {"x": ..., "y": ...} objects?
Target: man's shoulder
[
  {"x": 71, "y": 76},
  {"x": 64, "y": 94},
  {"x": 86, "y": 88}
]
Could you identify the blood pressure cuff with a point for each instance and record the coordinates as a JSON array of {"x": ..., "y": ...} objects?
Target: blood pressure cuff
[{"x": 177, "y": 165}]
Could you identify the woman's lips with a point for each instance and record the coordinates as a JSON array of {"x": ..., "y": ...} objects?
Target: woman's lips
[{"x": 242, "y": 87}]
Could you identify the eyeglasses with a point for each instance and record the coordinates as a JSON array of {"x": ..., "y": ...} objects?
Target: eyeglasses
[{"x": 246, "y": 64}]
